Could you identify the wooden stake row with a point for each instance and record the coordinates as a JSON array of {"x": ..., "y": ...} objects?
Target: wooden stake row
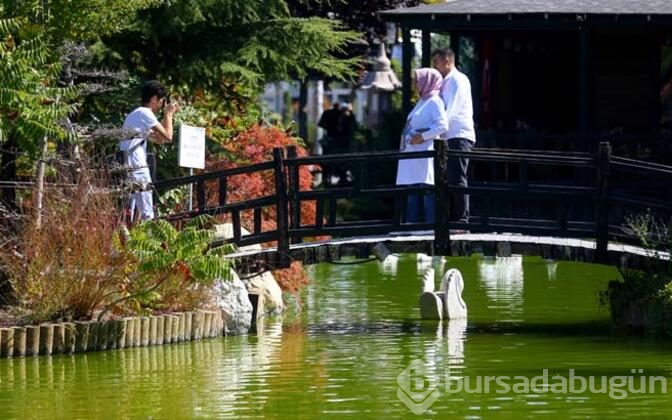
[{"x": 86, "y": 336}]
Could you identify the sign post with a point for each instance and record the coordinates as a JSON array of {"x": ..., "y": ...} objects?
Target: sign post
[{"x": 191, "y": 152}]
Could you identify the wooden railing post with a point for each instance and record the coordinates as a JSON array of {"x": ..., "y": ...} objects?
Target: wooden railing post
[
  {"x": 222, "y": 190},
  {"x": 442, "y": 197},
  {"x": 200, "y": 194},
  {"x": 602, "y": 202},
  {"x": 294, "y": 203},
  {"x": 281, "y": 207}
]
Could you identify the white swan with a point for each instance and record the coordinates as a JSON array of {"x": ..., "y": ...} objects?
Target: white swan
[
  {"x": 428, "y": 281},
  {"x": 431, "y": 305},
  {"x": 452, "y": 286}
]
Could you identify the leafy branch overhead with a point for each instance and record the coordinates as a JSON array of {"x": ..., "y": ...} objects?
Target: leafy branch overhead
[
  {"x": 32, "y": 106},
  {"x": 79, "y": 20},
  {"x": 360, "y": 16},
  {"x": 199, "y": 44}
]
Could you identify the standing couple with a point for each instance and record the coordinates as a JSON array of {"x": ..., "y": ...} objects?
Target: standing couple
[{"x": 444, "y": 111}]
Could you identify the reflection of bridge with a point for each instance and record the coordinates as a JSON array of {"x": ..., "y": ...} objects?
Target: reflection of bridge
[{"x": 560, "y": 205}]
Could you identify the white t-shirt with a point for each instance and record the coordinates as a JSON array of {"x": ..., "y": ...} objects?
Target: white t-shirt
[
  {"x": 456, "y": 94},
  {"x": 141, "y": 121}
]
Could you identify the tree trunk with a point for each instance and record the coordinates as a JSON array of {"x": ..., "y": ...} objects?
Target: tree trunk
[
  {"x": 8, "y": 173},
  {"x": 39, "y": 192}
]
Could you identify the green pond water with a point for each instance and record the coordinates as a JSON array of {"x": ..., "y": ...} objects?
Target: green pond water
[{"x": 358, "y": 331}]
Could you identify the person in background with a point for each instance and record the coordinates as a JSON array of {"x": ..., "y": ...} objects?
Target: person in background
[
  {"x": 427, "y": 121},
  {"x": 456, "y": 95},
  {"x": 143, "y": 122},
  {"x": 347, "y": 125},
  {"x": 330, "y": 122}
]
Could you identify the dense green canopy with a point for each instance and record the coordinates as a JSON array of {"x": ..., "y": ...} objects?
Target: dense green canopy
[
  {"x": 200, "y": 43},
  {"x": 225, "y": 48}
]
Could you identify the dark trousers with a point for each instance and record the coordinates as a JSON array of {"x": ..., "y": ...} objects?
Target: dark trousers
[
  {"x": 333, "y": 146},
  {"x": 416, "y": 204},
  {"x": 457, "y": 175}
]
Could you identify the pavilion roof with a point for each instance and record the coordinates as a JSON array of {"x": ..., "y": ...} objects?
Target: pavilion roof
[{"x": 507, "y": 7}]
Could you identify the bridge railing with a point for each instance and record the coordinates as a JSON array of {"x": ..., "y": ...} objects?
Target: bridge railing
[
  {"x": 596, "y": 192},
  {"x": 523, "y": 189},
  {"x": 217, "y": 183},
  {"x": 638, "y": 188}
]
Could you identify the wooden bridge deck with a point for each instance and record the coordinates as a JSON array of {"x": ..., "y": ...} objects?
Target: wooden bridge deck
[{"x": 489, "y": 244}]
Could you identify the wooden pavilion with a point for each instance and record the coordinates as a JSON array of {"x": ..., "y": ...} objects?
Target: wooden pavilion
[{"x": 563, "y": 75}]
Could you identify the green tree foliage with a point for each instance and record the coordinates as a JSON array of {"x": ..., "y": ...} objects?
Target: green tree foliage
[
  {"x": 34, "y": 109},
  {"x": 77, "y": 20},
  {"x": 221, "y": 43},
  {"x": 32, "y": 106},
  {"x": 361, "y": 16}
]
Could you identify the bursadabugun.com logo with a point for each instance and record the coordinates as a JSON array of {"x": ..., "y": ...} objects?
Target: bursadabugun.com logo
[
  {"x": 618, "y": 387},
  {"x": 419, "y": 385}
]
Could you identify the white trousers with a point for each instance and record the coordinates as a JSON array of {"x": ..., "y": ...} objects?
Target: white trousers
[{"x": 142, "y": 201}]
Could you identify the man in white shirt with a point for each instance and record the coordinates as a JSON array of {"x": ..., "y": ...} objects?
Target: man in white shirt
[
  {"x": 456, "y": 94},
  {"x": 147, "y": 127}
]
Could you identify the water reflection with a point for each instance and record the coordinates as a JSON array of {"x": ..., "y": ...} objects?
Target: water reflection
[
  {"x": 445, "y": 353},
  {"x": 176, "y": 381},
  {"x": 425, "y": 262},
  {"x": 502, "y": 279},
  {"x": 451, "y": 335},
  {"x": 456, "y": 335},
  {"x": 343, "y": 353},
  {"x": 552, "y": 270},
  {"x": 389, "y": 266}
]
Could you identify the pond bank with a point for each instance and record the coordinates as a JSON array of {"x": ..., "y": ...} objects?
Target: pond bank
[{"x": 89, "y": 336}]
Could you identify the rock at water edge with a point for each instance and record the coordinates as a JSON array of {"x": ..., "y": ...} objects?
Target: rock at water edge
[{"x": 232, "y": 299}]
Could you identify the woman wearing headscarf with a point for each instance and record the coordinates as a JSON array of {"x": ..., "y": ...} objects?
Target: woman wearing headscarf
[{"x": 427, "y": 121}]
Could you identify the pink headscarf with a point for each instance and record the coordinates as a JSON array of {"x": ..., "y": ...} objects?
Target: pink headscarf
[{"x": 429, "y": 82}]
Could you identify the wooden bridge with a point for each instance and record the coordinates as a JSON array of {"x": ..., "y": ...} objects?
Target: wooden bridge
[{"x": 559, "y": 205}]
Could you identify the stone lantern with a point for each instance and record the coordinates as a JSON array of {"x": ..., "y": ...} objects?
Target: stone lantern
[{"x": 379, "y": 83}]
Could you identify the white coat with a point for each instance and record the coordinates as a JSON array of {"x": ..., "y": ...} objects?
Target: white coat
[{"x": 429, "y": 118}]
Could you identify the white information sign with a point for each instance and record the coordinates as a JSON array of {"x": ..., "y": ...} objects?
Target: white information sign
[{"x": 191, "y": 148}]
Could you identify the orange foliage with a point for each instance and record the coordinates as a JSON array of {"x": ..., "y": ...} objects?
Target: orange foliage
[
  {"x": 292, "y": 279},
  {"x": 256, "y": 146}
]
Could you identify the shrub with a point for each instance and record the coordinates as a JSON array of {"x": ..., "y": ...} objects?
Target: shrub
[
  {"x": 169, "y": 267},
  {"x": 66, "y": 268},
  {"x": 643, "y": 299},
  {"x": 82, "y": 260},
  {"x": 292, "y": 279}
]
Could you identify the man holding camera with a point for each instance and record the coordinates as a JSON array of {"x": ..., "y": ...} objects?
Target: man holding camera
[{"x": 143, "y": 122}]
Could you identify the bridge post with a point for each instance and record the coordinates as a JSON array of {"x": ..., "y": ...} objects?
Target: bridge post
[
  {"x": 282, "y": 260},
  {"x": 442, "y": 199},
  {"x": 602, "y": 202},
  {"x": 294, "y": 203}
]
